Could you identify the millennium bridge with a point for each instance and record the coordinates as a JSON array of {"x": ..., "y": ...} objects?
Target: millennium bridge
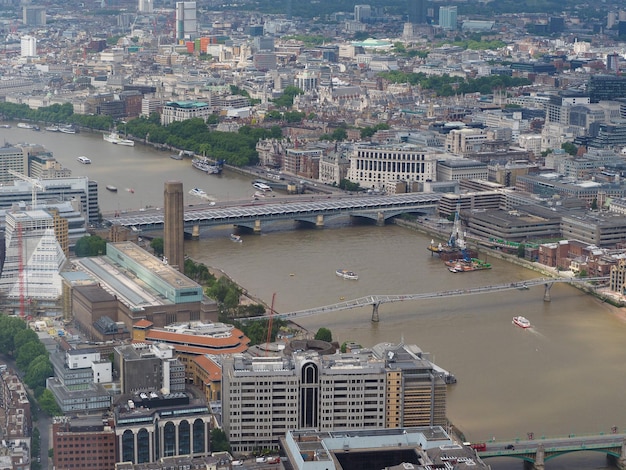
[
  {"x": 376, "y": 300},
  {"x": 534, "y": 453},
  {"x": 252, "y": 215}
]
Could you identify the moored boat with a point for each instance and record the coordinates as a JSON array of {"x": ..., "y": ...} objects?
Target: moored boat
[
  {"x": 23, "y": 125},
  {"x": 261, "y": 186},
  {"x": 177, "y": 156},
  {"x": 521, "y": 321},
  {"x": 115, "y": 138},
  {"x": 67, "y": 130},
  {"x": 52, "y": 129},
  {"x": 346, "y": 274},
  {"x": 111, "y": 188},
  {"x": 5, "y": 126}
]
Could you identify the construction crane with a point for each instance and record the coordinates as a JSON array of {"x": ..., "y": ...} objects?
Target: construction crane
[
  {"x": 269, "y": 325},
  {"x": 36, "y": 184}
]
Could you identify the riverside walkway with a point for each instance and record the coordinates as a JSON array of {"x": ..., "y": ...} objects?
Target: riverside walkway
[{"x": 376, "y": 300}]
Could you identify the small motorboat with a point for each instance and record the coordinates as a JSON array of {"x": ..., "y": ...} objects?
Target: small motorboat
[
  {"x": 111, "y": 188},
  {"x": 522, "y": 322},
  {"x": 235, "y": 238},
  {"x": 346, "y": 274}
]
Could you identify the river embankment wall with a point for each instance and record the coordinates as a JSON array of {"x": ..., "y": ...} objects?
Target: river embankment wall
[{"x": 547, "y": 271}]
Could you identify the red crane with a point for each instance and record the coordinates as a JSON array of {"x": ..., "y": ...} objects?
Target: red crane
[{"x": 269, "y": 325}]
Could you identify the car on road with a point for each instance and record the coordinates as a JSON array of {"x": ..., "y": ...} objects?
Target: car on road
[{"x": 510, "y": 447}]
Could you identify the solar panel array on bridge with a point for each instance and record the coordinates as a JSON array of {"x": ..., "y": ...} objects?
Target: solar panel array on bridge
[{"x": 260, "y": 210}]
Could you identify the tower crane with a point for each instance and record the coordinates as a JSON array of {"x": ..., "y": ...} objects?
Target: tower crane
[{"x": 36, "y": 184}]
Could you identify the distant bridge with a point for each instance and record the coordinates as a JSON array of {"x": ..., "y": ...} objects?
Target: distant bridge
[
  {"x": 534, "y": 453},
  {"x": 252, "y": 215},
  {"x": 376, "y": 300}
]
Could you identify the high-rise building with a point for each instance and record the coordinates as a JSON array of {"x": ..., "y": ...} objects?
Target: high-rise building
[
  {"x": 362, "y": 13},
  {"x": 387, "y": 386},
  {"x": 612, "y": 62},
  {"x": 34, "y": 15},
  {"x": 173, "y": 229},
  {"x": 28, "y": 46},
  {"x": 145, "y": 6},
  {"x": 416, "y": 11},
  {"x": 186, "y": 20},
  {"x": 447, "y": 18}
]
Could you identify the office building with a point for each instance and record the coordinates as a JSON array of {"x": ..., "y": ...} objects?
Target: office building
[
  {"x": 13, "y": 158},
  {"x": 33, "y": 15},
  {"x": 186, "y": 21},
  {"x": 83, "y": 443},
  {"x": 146, "y": 367},
  {"x": 176, "y": 111},
  {"x": 28, "y": 46},
  {"x": 382, "y": 167},
  {"x": 152, "y": 426},
  {"x": 33, "y": 257},
  {"x": 606, "y": 87},
  {"x": 416, "y": 11},
  {"x": 173, "y": 225},
  {"x": 193, "y": 339},
  {"x": 362, "y": 13},
  {"x": 79, "y": 375},
  {"x": 386, "y": 387},
  {"x": 447, "y": 18},
  {"x": 145, "y": 6},
  {"x": 392, "y": 449}
]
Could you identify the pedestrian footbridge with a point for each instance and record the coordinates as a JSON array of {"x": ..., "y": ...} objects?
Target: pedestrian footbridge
[{"x": 376, "y": 300}]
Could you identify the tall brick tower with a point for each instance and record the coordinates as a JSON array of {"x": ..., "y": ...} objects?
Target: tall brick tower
[{"x": 173, "y": 230}]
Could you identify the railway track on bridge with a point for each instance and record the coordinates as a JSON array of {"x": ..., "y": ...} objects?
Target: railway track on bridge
[{"x": 376, "y": 300}]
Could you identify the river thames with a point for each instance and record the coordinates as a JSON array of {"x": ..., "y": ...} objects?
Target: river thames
[{"x": 565, "y": 375}]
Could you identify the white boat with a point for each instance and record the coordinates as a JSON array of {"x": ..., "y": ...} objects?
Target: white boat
[
  {"x": 261, "y": 186},
  {"x": 53, "y": 129},
  {"x": 522, "y": 322},
  {"x": 84, "y": 160},
  {"x": 5, "y": 126},
  {"x": 23, "y": 125},
  {"x": 235, "y": 238},
  {"x": 113, "y": 189},
  {"x": 67, "y": 130},
  {"x": 346, "y": 274},
  {"x": 198, "y": 192},
  {"x": 115, "y": 138},
  {"x": 177, "y": 156}
]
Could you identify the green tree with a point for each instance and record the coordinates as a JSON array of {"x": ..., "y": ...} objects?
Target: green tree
[
  {"x": 48, "y": 404},
  {"x": 594, "y": 204},
  {"x": 521, "y": 250},
  {"x": 90, "y": 246},
  {"x": 324, "y": 334},
  {"x": 157, "y": 245},
  {"x": 27, "y": 352},
  {"x": 570, "y": 148},
  {"x": 219, "y": 441}
]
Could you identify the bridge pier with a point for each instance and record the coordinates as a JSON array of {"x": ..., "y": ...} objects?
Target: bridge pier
[
  {"x": 195, "y": 232},
  {"x": 540, "y": 458},
  {"x": 319, "y": 221},
  {"x": 375, "y": 312},
  {"x": 257, "y": 226},
  {"x": 380, "y": 219},
  {"x": 546, "y": 293},
  {"x": 621, "y": 461}
]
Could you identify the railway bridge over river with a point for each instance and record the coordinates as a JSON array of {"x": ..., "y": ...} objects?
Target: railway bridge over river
[
  {"x": 376, "y": 300},
  {"x": 252, "y": 215}
]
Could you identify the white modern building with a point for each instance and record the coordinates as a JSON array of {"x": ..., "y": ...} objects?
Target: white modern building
[
  {"x": 34, "y": 257},
  {"x": 182, "y": 110},
  {"x": 382, "y": 167},
  {"x": 28, "y": 46}
]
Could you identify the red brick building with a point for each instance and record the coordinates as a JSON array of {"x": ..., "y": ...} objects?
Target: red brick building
[{"x": 86, "y": 443}]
